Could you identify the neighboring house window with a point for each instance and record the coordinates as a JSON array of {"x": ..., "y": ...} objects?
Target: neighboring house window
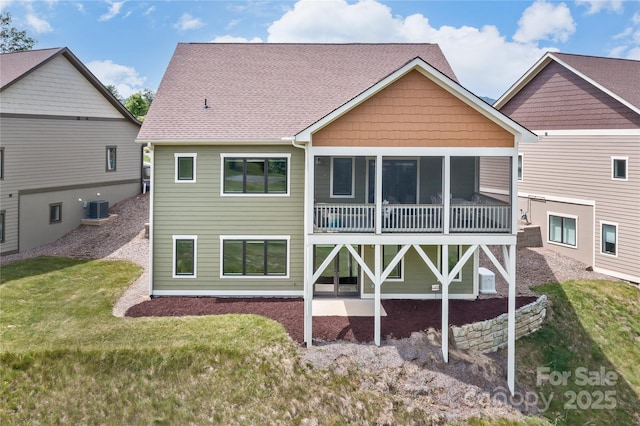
[
  {"x": 520, "y": 163},
  {"x": 185, "y": 256},
  {"x": 111, "y": 158},
  {"x": 2, "y": 214},
  {"x": 260, "y": 174},
  {"x": 609, "y": 236},
  {"x": 562, "y": 230},
  {"x": 619, "y": 168},
  {"x": 185, "y": 167},
  {"x": 55, "y": 213},
  {"x": 388, "y": 253},
  {"x": 255, "y": 256},
  {"x": 454, "y": 257},
  {"x": 342, "y": 177},
  {"x": 2, "y": 163}
]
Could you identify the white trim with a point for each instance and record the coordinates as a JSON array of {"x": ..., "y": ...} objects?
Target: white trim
[
  {"x": 564, "y": 216},
  {"x": 420, "y": 239},
  {"x": 626, "y": 168},
  {"x": 239, "y": 141},
  {"x": 152, "y": 178},
  {"x": 588, "y": 132},
  {"x": 353, "y": 178},
  {"x": 257, "y": 156},
  {"x": 230, "y": 293},
  {"x": 286, "y": 238},
  {"x": 422, "y": 296},
  {"x": 400, "y": 151},
  {"x": 177, "y": 155},
  {"x": 458, "y": 277},
  {"x": 195, "y": 256},
  {"x": 402, "y": 262},
  {"x": 614, "y": 224},
  {"x": 557, "y": 199},
  {"x": 521, "y": 134},
  {"x": 615, "y": 274}
]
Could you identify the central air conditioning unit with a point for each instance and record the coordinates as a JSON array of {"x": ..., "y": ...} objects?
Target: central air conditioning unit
[
  {"x": 98, "y": 209},
  {"x": 487, "y": 281}
]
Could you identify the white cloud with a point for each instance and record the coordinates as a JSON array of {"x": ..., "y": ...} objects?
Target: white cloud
[
  {"x": 114, "y": 9},
  {"x": 484, "y": 61},
  {"x": 634, "y": 53},
  {"x": 150, "y": 10},
  {"x": 80, "y": 7},
  {"x": 125, "y": 79},
  {"x": 628, "y": 41},
  {"x": 232, "y": 39},
  {"x": 596, "y": 6},
  {"x": 38, "y": 25},
  {"x": 188, "y": 22},
  {"x": 545, "y": 21}
]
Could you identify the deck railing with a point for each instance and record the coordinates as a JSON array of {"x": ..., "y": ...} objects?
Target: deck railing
[
  {"x": 420, "y": 218},
  {"x": 480, "y": 218}
]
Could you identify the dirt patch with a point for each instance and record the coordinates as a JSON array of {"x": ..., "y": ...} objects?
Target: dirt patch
[{"x": 404, "y": 317}]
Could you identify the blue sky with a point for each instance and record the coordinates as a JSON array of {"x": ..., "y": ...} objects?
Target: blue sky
[{"x": 489, "y": 44}]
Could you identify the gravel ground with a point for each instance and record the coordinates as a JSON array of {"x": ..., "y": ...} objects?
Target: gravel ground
[{"x": 411, "y": 369}]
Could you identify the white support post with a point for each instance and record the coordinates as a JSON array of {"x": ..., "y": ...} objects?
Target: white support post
[
  {"x": 445, "y": 302},
  {"x": 511, "y": 351},
  {"x": 378, "y": 194},
  {"x": 377, "y": 285},
  {"x": 308, "y": 297},
  {"x": 446, "y": 191}
]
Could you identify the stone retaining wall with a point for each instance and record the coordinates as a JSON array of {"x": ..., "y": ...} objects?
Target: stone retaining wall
[
  {"x": 529, "y": 236},
  {"x": 490, "y": 335}
]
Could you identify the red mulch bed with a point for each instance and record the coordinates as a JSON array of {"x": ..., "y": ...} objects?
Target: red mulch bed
[{"x": 403, "y": 316}]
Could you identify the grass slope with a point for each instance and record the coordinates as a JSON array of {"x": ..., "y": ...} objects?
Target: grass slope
[
  {"x": 592, "y": 337},
  {"x": 65, "y": 359}
]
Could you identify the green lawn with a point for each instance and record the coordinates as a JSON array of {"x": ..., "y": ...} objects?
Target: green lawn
[
  {"x": 64, "y": 359},
  {"x": 592, "y": 339}
]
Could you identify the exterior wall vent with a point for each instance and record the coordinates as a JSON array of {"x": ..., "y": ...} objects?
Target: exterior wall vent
[{"x": 98, "y": 209}]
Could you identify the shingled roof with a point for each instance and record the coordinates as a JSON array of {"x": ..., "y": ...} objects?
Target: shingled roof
[
  {"x": 267, "y": 91},
  {"x": 17, "y": 64},
  {"x": 619, "y": 78}
]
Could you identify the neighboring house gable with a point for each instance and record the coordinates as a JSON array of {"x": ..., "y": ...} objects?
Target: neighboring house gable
[
  {"x": 64, "y": 138},
  {"x": 581, "y": 182}
]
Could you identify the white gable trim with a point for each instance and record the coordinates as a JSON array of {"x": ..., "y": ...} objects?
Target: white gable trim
[
  {"x": 540, "y": 65},
  {"x": 521, "y": 133}
]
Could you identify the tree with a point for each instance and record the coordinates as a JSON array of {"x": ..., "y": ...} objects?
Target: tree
[
  {"x": 137, "y": 105},
  {"x": 12, "y": 40},
  {"x": 148, "y": 94},
  {"x": 114, "y": 91}
]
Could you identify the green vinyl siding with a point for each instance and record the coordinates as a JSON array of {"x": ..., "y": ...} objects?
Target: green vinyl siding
[
  {"x": 200, "y": 209},
  {"x": 417, "y": 277}
]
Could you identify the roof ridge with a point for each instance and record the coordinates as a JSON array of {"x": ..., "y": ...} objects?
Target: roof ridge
[
  {"x": 594, "y": 56},
  {"x": 307, "y": 44}
]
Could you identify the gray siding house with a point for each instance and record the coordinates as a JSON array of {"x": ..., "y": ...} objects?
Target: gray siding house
[
  {"x": 326, "y": 171},
  {"x": 581, "y": 182},
  {"x": 63, "y": 138}
]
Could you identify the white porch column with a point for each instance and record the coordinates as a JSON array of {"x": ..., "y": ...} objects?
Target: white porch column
[
  {"x": 511, "y": 351},
  {"x": 446, "y": 190},
  {"x": 445, "y": 302},
  {"x": 309, "y": 178},
  {"x": 308, "y": 296},
  {"x": 378, "y": 195},
  {"x": 377, "y": 284}
]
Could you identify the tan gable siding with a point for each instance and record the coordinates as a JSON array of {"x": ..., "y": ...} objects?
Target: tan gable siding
[
  {"x": 579, "y": 167},
  {"x": 558, "y": 99},
  {"x": 56, "y": 88},
  {"x": 413, "y": 112}
]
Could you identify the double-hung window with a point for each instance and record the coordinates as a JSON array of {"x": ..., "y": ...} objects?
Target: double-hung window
[
  {"x": 619, "y": 168},
  {"x": 262, "y": 174},
  {"x": 609, "y": 237},
  {"x": 185, "y": 256},
  {"x": 453, "y": 259},
  {"x": 185, "y": 167},
  {"x": 342, "y": 177},
  {"x": 520, "y": 167},
  {"x": 255, "y": 256},
  {"x": 111, "y": 158},
  {"x": 562, "y": 230}
]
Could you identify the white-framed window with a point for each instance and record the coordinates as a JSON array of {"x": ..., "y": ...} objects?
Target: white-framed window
[
  {"x": 563, "y": 229},
  {"x": 619, "y": 168},
  {"x": 111, "y": 158},
  {"x": 609, "y": 238},
  {"x": 185, "y": 256},
  {"x": 454, "y": 257},
  {"x": 253, "y": 256},
  {"x": 55, "y": 213},
  {"x": 343, "y": 177},
  {"x": 255, "y": 174},
  {"x": 520, "y": 167},
  {"x": 388, "y": 253},
  {"x": 185, "y": 166}
]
